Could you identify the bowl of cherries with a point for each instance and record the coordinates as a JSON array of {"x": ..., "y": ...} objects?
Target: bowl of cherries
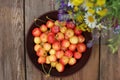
[{"x": 57, "y": 48}]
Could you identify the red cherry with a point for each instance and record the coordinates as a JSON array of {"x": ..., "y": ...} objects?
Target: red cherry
[
  {"x": 50, "y": 24},
  {"x": 55, "y": 29},
  {"x": 81, "y": 38},
  {"x": 36, "y": 32},
  {"x": 81, "y": 47},
  {"x": 68, "y": 53},
  {"x": 43, "y": 28},
  {"x": 51, "y": 38},
  {"x": 77, "y": 55},
  {"x": 41, "y": 52},
  {"x": 77, "y": 31},
  {"x": 60, "y": 67},
  {"x": 64, "y": 60},
  {"x": 70, "y": 25},
  {"x": 56, "y": 45},
  {"x": 59, "y": 54},
  {"x": 72, "y": 47},
  {"x": 41, "y": 60}
]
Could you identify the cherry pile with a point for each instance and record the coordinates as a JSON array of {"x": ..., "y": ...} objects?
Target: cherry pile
[{"x": 58, "y": 44}]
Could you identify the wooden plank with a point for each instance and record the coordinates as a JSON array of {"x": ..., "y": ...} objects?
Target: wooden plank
[
  {"x": 109, "y": 63},
  {"x": 11, "y": 40},
  {"x": 33, "y": 9},
  {"x": 90, "y": 70}
]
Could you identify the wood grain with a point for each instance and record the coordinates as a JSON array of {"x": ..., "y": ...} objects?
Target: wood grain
[
  {"x": 90, "y": 70},
  {"x": 12, "y": 46},
  {"x": 109, "y": 63},
  {"x": 11, "y": 40},
  {"x": 33, "y": 9}
]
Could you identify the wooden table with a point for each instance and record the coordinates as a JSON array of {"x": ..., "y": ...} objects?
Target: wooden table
[{"x": 16, "y": 17}]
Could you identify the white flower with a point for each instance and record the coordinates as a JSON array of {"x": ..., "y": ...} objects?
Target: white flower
[
  {"x": 84, "y": 5},
  {"x": 90, "y": 20},
  {"x": 69, "y": 4},
  {"x": 100, "y": 26},
  {"x": 98, "y": 9}
]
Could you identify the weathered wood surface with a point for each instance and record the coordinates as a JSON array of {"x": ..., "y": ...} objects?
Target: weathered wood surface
[
  {"x": 11, "y": 40},
  {"x": 14, "y": 61},
  {"x": 109, "y": 63},
  {"x": 35, "y": 8}
]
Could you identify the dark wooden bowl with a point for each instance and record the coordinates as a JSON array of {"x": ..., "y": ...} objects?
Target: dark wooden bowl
[{"x": 68, "y": 69}]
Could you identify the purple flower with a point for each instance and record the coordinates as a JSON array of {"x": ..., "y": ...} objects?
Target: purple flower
[
  {"x": 90, "y": 43},
  {"x": 116, "y": 30},
  {"x": 61, "y": 10},
  {"x": 60, "y": 17}
]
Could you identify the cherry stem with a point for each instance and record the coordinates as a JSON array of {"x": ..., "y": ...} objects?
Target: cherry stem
[
  {"x": 50, "y": 70},
  {"x": 47, "y": 74},
  {"x": 38, "y": 20},
  {"x": 44, "y": 69},
  {"x": 49, "y": 18}
]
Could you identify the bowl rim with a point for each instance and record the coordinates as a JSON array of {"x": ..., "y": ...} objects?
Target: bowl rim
[{"x": 28, "y": 33}]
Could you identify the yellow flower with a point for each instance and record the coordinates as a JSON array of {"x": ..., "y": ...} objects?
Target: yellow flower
[
  {"x": 76, "y": 2},
  {"x": 102, "y": 12},
  {"x": 80, "y": 18},
  {"x": 91, "y": 11},
  {"x": 69, "y": 12},
  {"x": 76, "y": 8},
  {"x": 92, "y": 0},
  {"x": 89, "y": 4},
  {"x": 101, "y": 2}
]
